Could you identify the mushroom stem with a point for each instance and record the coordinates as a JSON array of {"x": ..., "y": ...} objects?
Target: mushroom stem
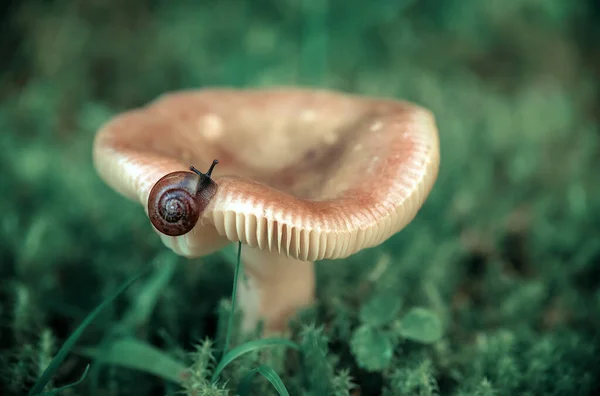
[{"x": 273, "y": 288}]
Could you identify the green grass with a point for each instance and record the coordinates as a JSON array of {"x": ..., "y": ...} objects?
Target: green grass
[
  {"x": 123, "y": 350},
  {"x": 492, "y": 289}
]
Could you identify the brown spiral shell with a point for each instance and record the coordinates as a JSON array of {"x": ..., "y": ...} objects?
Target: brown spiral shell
[{"x": 178, "y": 199}]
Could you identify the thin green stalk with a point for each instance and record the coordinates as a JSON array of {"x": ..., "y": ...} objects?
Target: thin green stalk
[
  {"x": 233, "y": 295},
  {"x": 68, "y": 345}
]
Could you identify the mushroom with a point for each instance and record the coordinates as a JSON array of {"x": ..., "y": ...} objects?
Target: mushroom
[{"x": 303, "y": 175}]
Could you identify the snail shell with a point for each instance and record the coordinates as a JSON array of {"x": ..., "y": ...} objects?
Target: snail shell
[{"x": 178, "y": 199}]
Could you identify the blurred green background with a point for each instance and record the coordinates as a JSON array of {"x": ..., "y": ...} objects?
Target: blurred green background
[{"x": 505, "y": 254}]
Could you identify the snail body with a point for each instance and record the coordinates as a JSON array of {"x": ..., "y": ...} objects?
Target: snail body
[{"x": 178, "y": 199}]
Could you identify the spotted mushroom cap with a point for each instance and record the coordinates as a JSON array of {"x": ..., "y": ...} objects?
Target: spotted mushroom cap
[{"x": 312, "y": 174}]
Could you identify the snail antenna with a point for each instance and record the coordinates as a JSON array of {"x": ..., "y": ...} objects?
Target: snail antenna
[
  {"x": 196, "y": 171},
  {"x": 208, "y": 173}
]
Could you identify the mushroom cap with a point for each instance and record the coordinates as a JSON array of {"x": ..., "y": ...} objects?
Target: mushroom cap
[{"x": 310, "y": 173}]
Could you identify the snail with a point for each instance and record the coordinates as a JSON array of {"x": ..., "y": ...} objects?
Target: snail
[{"x": 178, "y": 198}]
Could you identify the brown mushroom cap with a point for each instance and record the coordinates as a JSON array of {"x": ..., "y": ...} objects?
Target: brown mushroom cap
[{"x": 312, "y": 174}]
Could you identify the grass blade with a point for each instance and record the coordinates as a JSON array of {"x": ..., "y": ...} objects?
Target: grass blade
[
  {"x": 146, "y": 299},
  {"x": 140, "y": 309},
  {"x": 138, "y": 355},
  {"x": 72, "y": 384},
  {"x": 269, "y": 374},
  {"x": 43, "y": 380},
  {"x": 233, "y": 297},
  {"x": 249, "y": 347}
]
